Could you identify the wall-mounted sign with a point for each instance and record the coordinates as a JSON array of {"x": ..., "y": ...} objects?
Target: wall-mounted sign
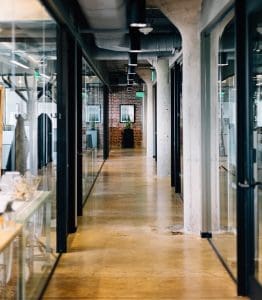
[{"x": 140, "y": 94}]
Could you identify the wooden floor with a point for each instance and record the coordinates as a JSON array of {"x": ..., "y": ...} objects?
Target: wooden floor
[{"x": 129, "y": 243}]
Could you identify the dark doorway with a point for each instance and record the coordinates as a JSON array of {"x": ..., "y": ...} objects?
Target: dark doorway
[
  {"x": 155, "y": 121},
  {"x": 176, "y": 128},
  {"x": 44, "y": 140}
]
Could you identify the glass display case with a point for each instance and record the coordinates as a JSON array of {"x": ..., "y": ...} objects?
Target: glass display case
[
  {"x": 10, "y": 259},
  {"x": 38, "y": 256},
  {"x": 28, "y": 136}
]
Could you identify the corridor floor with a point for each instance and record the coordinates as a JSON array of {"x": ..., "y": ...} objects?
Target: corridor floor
[{"x": 129, "y": 243}]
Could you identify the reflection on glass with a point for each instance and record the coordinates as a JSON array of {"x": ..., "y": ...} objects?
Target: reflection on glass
[
  {"x": 28, "y": 148},
  {"x": 256, "y": 59},
  {"x": 92, "y": 127},
  {"x": 225, "y": 238}
]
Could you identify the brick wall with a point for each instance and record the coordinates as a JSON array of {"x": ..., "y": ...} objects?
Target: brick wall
[{"x": 117, "y": 96}]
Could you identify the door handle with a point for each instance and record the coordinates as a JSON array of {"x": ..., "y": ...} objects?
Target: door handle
[{"x": 247, "y": 185}]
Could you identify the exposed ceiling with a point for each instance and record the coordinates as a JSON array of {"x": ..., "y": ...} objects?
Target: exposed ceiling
[{"x": 107, "y": 26}]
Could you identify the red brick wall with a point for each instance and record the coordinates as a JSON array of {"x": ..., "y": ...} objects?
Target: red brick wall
[{"x": 117, "y": 96}]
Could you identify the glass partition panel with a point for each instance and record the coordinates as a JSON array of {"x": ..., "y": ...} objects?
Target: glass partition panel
[
  {"x": 223, "y": 93},
  {"x": 256, "y": 90},
  {"x": 28, "y": 145},
  {"x": 92, "y": 126}
]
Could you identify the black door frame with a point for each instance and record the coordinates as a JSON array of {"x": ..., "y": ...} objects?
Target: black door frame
[
  {"x": 155, "y": 121},
  {"x": 247, "y": 284},
  {"x": 79, "y": 132},
  {"x": 106, "y": 148},
  {"x": 62, "y": 140},
  {"x": 72, "y": 135},
  {"x": 176, "y": 90}
]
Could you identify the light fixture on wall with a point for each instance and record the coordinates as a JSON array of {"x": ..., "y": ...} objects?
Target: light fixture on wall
[
  {"x": 132, "y": 60},
  {"x": 137, "y": 13}
]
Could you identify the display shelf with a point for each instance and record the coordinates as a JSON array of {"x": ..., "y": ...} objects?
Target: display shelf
[{"x": 8, "y": 234}]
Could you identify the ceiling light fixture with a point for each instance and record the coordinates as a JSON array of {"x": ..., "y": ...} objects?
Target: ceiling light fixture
[
  {"x": 19, "y": 64},
  {"x": 45, "y": 76},
  {"x": 146, "y": 30},
  {"x": 137, "y": 13}
]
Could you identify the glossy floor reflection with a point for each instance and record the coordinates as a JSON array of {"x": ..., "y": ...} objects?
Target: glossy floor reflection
[{"x": 129, "y": 244}]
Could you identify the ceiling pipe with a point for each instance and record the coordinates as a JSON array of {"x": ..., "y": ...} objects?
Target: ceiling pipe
[
  {"x": 101, "y": 54},
  {"x": 148, "y": 43},
  {"x": 134, "y": 40}
]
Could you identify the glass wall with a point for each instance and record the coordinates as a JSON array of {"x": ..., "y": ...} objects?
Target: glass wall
[
  {"x": 256, "y": 93},
  {"x": 225, "y": 239},
  {"x": 222, "y": 86},
  {"x": 28, "y": 136},
  {"x": 92, "y": 126}
]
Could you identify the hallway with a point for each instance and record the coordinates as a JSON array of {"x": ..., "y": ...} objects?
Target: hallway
[{"x": 128, "y": 244}]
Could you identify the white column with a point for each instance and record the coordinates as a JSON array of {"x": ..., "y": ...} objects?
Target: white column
[
  {"x": 163, "y": 118},
  {"x": 149, "y": 130},
  {"x": 148, "y": 125},
  {"x": 185, "y": 15},
  {"x": 192, "y": 132}
]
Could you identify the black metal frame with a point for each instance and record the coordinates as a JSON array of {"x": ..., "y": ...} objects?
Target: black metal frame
[
  {"x": 173, "y": 165},
  {"x": 72, "y": 136},
  {"x": 245, "y": 237},
  {"x": 176, "y": 88},
  {"x": 106, "y": 123},
  {"x": 246, "y": 260},
  {"x": 155, "y": 121},
  {"x": 62, "y": 141},
  {"x": 79, "y": 133}
]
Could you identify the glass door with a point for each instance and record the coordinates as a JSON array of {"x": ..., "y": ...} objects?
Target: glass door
[{"x": 256, "y": 94}]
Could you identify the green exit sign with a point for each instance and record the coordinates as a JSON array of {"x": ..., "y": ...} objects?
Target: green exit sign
[
  {"x": 37, "y": 74},
  {"x": 139, "y": 94}
]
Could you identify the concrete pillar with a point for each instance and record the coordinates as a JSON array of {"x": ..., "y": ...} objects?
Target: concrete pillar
[
  {"x": 185, "y": 16},
  {"x": 146, "y": 76},
  {"x": 163, "y": 118}
]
